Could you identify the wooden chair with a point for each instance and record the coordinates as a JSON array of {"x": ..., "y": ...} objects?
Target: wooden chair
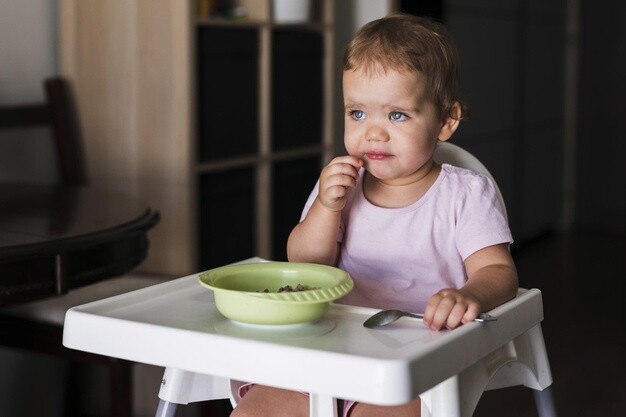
[
  {"x": 37, "y": 326},
  {"x": 59, "y": 114}
]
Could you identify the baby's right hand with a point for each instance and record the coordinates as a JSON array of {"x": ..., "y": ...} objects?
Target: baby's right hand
[{"x": 335, "y": 180}]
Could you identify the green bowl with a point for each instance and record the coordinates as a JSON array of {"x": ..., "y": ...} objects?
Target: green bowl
[{"x": 239, "y": 291}]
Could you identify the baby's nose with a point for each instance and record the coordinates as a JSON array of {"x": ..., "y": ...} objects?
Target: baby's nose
[{"x": 376, "y": 134}]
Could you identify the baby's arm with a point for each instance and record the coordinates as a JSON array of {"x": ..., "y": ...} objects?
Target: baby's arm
[
  {"x": 314, "y": 239},
  {"x": 492, "y": 280}
]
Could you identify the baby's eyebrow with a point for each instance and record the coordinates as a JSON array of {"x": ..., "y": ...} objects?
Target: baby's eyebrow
[
  {"x": 402, "y": 108},
  {"x": 353, "y": 108}
]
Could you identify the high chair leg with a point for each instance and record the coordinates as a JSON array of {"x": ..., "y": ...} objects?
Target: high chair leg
[
  {"x": 166, "y": 409},
  {"x": 322, "y": 406},
  {"x": 544, "y": 400}
]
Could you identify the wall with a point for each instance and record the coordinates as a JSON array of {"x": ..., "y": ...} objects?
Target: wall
[
  {"x": 27, "y": 56},
  {"x": 600, "y": 192},
  {"x": 512, "y": 66},
  {"x": 27, "y": 48},
  {"x": 129, "y": 65}
]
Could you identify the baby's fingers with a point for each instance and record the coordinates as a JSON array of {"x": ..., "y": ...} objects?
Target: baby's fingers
[
  {"x": 473, "y": 310},
  {"x": 343, "y": 166},
  {"x": 353, "y": 161},
  {"x": 437, "y": 311},
  {"x": 450, "y": 308},
  {"x": 456, "y": 316},
  {"x": 335, "y": 180}
]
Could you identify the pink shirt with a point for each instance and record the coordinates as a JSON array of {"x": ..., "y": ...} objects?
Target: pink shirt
[{"x": 399, "y": 257}]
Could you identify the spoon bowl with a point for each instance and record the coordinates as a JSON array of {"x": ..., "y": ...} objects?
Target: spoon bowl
[{"x": 385, "y": 317}]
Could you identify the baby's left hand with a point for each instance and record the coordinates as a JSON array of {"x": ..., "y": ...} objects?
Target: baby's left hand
[{"x": 450, "y": 308}]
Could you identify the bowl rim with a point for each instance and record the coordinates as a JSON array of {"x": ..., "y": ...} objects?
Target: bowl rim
[{"x": 319, "y": 295}]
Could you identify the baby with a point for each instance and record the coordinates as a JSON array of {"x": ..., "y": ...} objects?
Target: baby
[{"x": 413, "y": 235}]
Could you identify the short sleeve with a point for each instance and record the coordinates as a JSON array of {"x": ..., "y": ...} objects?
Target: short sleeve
[{"x": 480, "y": 217}]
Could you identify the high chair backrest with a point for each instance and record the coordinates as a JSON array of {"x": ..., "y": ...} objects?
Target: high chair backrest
[{"x": 455, "y": 155}]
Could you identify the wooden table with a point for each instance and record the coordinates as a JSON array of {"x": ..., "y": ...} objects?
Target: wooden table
[{"x": 55, "y": 238}]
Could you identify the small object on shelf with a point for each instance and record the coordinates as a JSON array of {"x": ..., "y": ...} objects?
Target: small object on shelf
[
  {"x": 221, "y": 9},
  {"x": 292, "y": 11},
  {"x": 204, "y": 8},
  {"x": 226, "y": 9}
]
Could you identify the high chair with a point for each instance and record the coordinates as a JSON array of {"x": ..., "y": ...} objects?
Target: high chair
[{"x": 520, "y": 360}]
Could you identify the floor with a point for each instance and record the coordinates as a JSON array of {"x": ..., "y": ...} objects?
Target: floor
[{"x": 583, "y": 281}]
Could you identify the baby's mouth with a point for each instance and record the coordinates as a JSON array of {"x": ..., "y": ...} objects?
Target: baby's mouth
[{"x": 377, "y": 156}]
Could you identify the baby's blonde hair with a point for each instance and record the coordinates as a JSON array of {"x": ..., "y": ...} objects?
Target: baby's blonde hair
[{"x": 405, "y": 42}]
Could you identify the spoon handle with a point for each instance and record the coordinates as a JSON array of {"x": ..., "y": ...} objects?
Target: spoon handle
[
  {"x": 485, "y": 317},
  {"x": 482, "y": 317}
]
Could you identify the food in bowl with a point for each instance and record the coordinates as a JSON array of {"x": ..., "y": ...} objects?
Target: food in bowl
[
  {"x": 289, "y": 288},
  {"x": 239, "y": 291}
]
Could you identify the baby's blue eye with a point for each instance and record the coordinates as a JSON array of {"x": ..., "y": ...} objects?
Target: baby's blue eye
[
  {"x": 357, "y": 115},
  {"x": 396, "y": 116}
]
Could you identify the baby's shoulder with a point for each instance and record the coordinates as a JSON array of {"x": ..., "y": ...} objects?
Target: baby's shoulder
[
  {"x": 462, "y": 176},
  {"x": 468, "y": 185}
]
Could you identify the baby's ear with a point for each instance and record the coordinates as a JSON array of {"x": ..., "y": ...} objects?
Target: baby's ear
[{"x": 450, "y": 122}]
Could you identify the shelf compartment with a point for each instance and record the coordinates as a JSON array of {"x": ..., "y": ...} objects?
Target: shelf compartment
[
  {"x": 293, "y": 181},
  {"x": 227, "y": 118},
  {"x": 297, "y": 81},
  {"x": 227, "y": 216}
]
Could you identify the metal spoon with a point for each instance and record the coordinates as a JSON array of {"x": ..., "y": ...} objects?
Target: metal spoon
[{"x": 384, "y": 317}]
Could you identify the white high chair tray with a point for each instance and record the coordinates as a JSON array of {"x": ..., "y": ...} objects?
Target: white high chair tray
[{"x": 176, "y": 325}]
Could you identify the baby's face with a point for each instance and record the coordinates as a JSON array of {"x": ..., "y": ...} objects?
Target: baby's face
[{"x": 390, "y": 124}]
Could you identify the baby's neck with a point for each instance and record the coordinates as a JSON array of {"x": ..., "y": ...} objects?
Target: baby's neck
[{"x": 387, "y": 195}]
